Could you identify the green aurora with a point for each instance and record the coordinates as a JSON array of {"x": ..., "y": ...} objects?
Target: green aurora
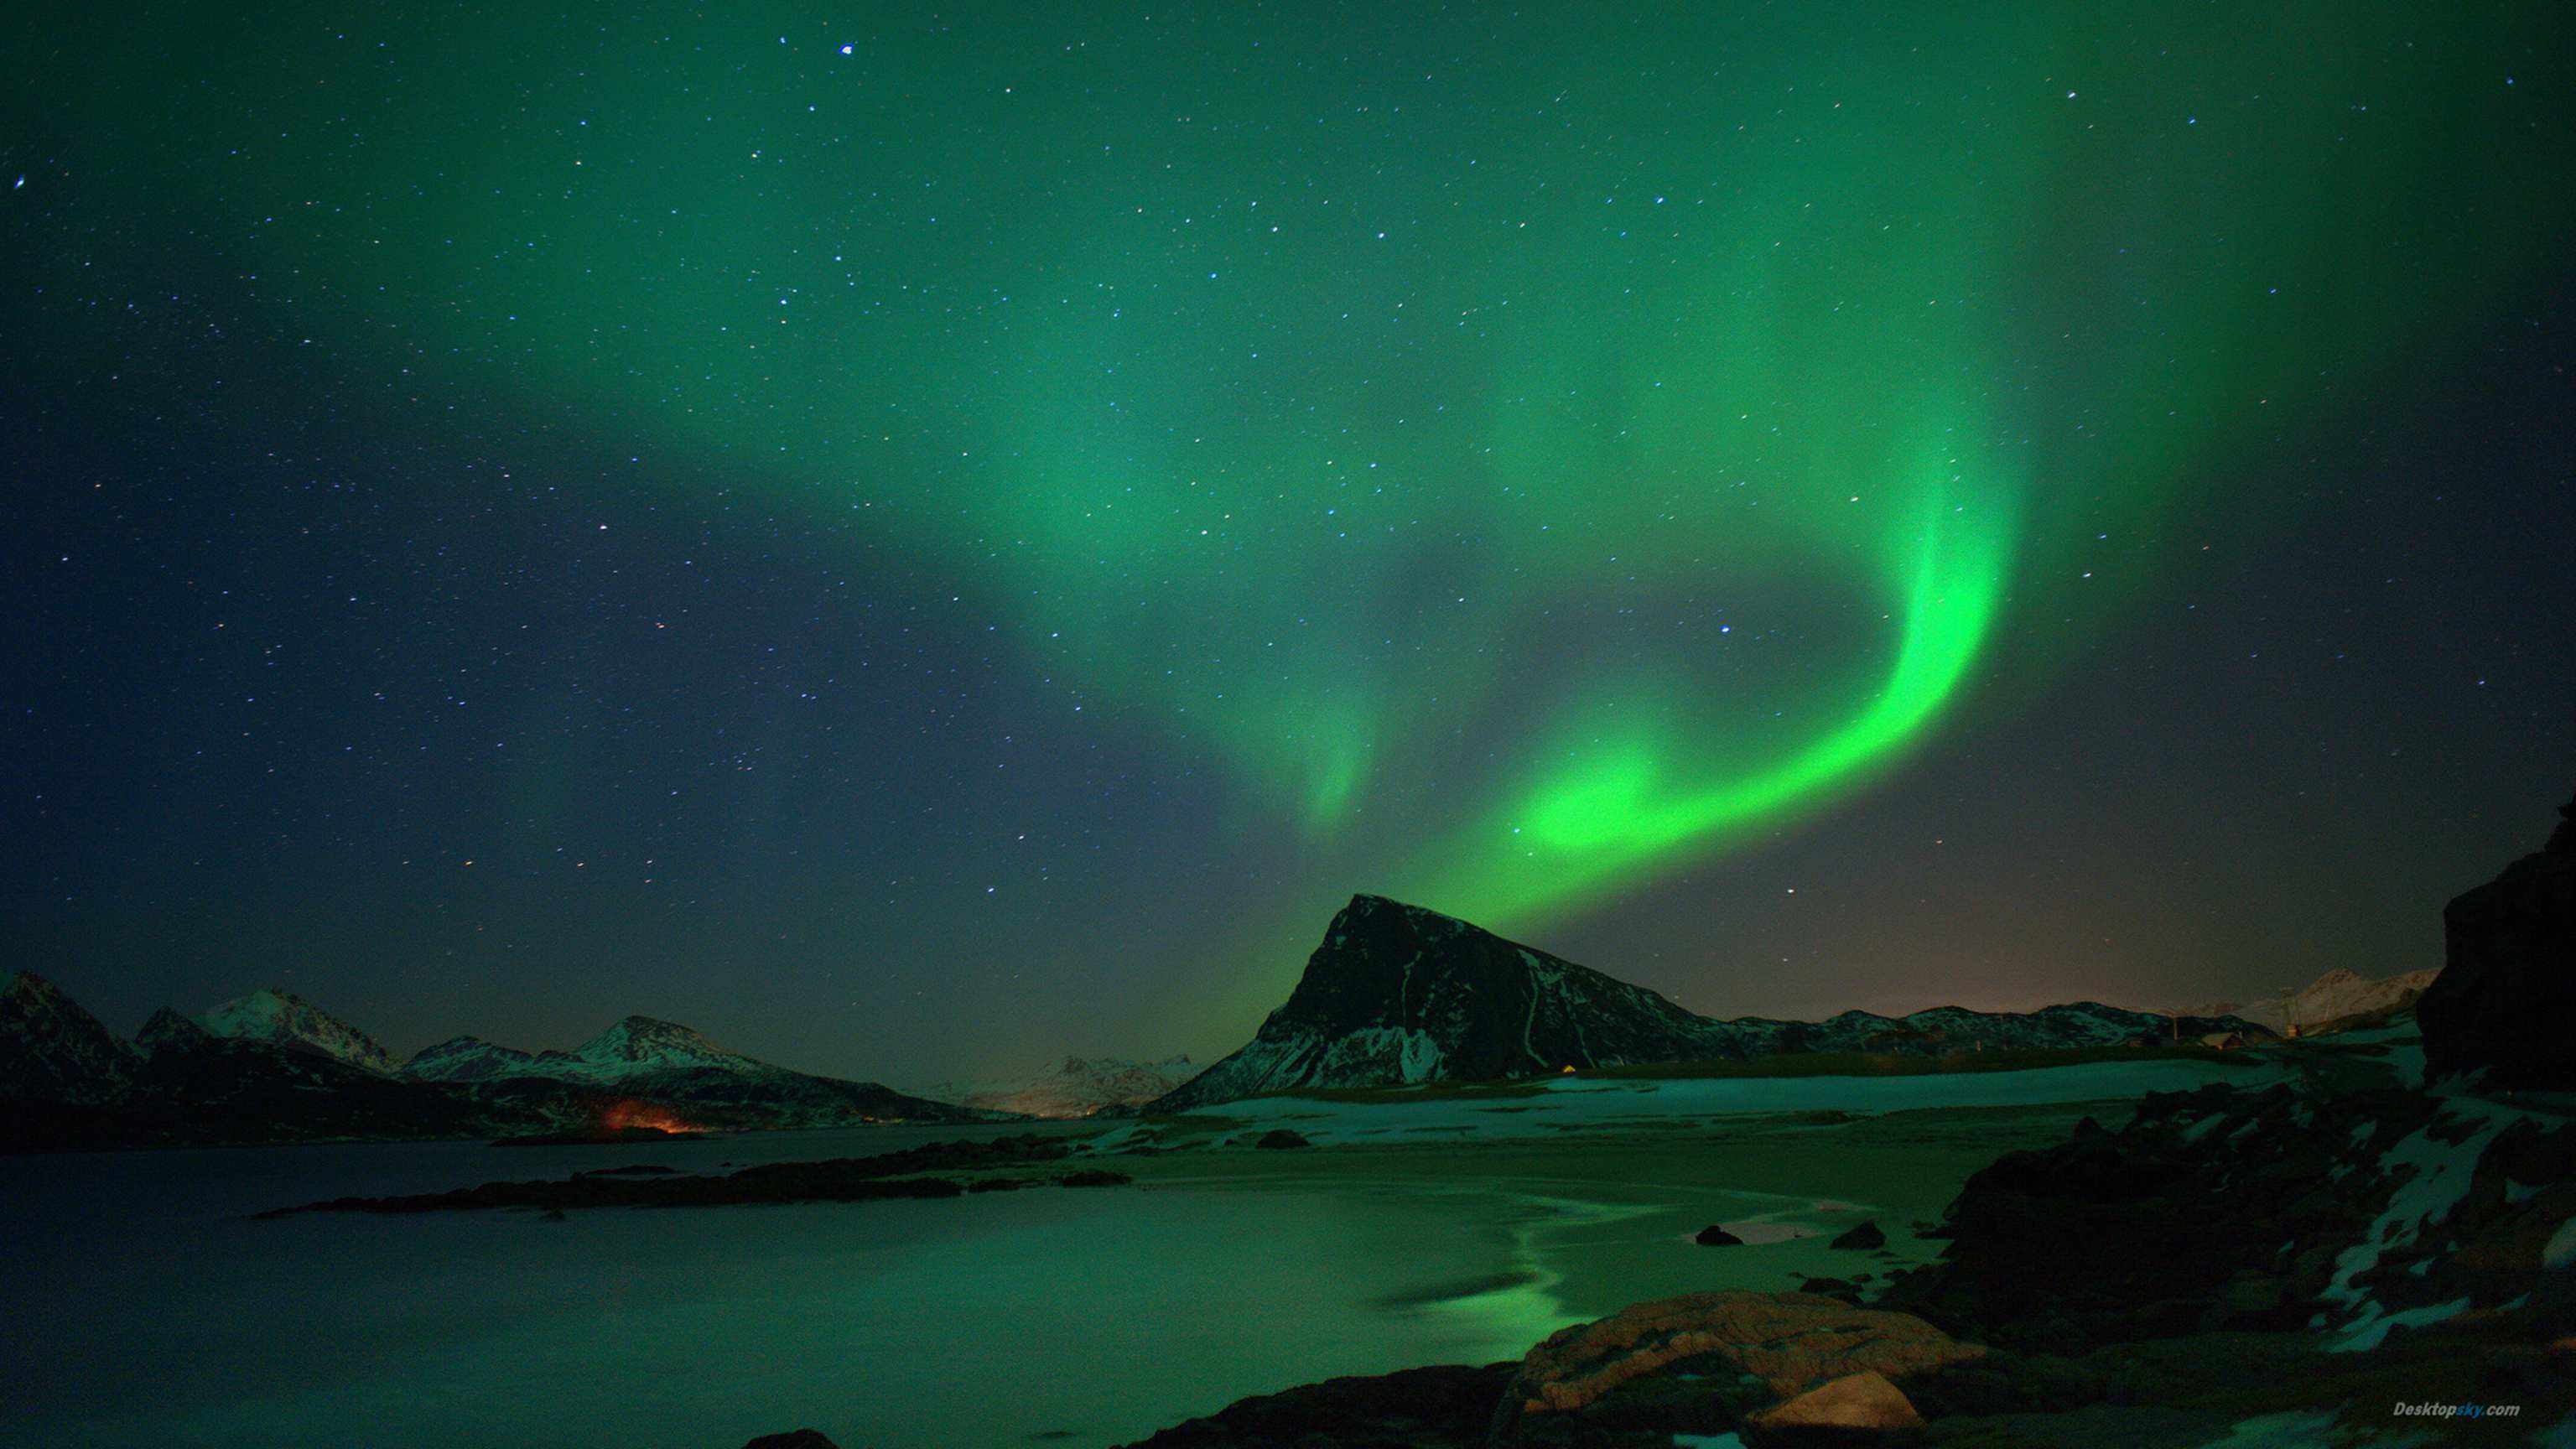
[{"x": 1770, "y": 382}]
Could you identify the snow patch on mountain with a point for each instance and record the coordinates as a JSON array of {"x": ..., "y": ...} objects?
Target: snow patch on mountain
[
  {"x": 466, "y": 1059},
  {"x": 282, "y": 1018}
]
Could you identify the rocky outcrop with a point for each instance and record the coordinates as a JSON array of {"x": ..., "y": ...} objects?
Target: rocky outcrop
[
  {"x": 2506, "y": 998},
  {"x": 1397, "y": 994},
  {"x": 793, "y": 1439}
]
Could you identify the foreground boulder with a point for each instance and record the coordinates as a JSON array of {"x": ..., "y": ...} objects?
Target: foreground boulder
[
  {"x": 2507, "y": 991},
  {"x": 1716, "y": 1353},
  {"x": 795, "y": 1439}
]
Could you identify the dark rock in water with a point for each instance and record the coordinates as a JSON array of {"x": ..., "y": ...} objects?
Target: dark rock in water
[
  {"x": 635, "y": 1169},
  {"x": 1865, "y": 1238},
  {"x": 1094, "y": 1177},
  {"x": 2507, "y": 991},
  {"x": 1714, "y": 1236},
  {"x": 1846, "y": 1289},
  {"x": 795, "y": 1439},
  {"x": 1447, "y": 1407},
  {"x": 553, "y": 1215},
  {"x": 1279, "y": 1138}
]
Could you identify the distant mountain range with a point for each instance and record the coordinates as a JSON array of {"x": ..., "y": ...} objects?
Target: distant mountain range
[
  {"x": 1077, "y": 1088},
  {"x": 273, "y": 1067},
  {"x": 1395, "y": 994},
  {"x": 1399, "y": 994}
]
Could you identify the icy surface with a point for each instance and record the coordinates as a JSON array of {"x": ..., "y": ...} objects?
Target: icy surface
[
  {"x": 901, "y": 1325},
  {"x": 1557, "y": 1104}
]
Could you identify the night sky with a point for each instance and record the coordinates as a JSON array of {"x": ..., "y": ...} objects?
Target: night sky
[{"x": 916, "y": 542}]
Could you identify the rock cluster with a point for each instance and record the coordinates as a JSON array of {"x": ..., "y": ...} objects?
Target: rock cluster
[
  {"x": 2224, "y": 1209},
  {"x": 1703, "y": 1363}
]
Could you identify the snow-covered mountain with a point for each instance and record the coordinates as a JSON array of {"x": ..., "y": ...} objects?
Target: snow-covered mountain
[
  {"x": 282, "y": 1018},
  {"x": 637, "y": 1046},
  {"x": 1399, "y": 994},
  {"x": 2337, "y": 996},
  {"x": 1078, "y": 1087},
  {"x": 271, "y": 1067},
  {"x": 642, "y": 1059},
  {"x": 51, "y": 1050}
]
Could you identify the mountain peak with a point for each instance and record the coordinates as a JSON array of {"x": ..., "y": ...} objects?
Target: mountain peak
[
  {"x": 648, "y": 1043},
  {"x": 169, "y": 1031},
  {"x": 27, "y": 986},
  {"x": 1400, "y": 993},
  {"x": 279, "y": 1017},
  {"x": 51, "y": 1050}
]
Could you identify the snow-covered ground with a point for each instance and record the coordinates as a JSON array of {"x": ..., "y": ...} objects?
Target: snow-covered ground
[{"x": 1576, "y": 1103}]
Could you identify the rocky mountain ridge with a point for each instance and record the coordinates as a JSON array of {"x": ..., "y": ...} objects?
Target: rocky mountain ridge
[{"x": 1399, "y": 994}]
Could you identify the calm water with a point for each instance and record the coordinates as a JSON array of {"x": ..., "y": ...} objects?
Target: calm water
[{"x": 142, "y": 1307}]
